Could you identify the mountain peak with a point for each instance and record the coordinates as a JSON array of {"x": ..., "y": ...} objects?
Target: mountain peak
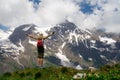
[{"x": 19, "y": 32}]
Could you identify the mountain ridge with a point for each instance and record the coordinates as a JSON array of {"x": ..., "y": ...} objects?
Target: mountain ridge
[{"x": 70, "y": 46}]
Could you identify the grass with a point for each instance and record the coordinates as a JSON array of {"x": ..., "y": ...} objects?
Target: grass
[{"x": 63, "y": 73}]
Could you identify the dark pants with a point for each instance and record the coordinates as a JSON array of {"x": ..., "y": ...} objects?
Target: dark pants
[{"x": 40, "y": 50}]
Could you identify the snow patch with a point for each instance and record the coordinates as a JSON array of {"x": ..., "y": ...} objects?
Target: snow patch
[
  {"x": 21, "y": 48},
  {"x": 26, "y": 28},
  {"x": 63, "y": 45},
  {"x": 10, "y": 49},
  {"x": 90, "y": 59},
  {"x": 103, "y": 57},
  {"x": 73, "y": 35},
  {"x": 78, "y": 37},
  {"x": 80, "y": 56},
  {"x": 93, "y": 41},
  {"x": 107, "y": 40},
  {"x": 32, "y": 42},
  {"x": 4, "y": 35},
  {"x": 79, "y": 67},
  {"x": 62, "y": 57},
  {"x": 64, "y": 60}
]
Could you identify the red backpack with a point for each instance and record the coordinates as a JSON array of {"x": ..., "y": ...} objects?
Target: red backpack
[{"x": 40, "y": 43}]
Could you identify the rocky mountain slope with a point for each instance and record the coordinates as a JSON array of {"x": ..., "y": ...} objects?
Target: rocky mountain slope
[{"x": 70, "y": 46}]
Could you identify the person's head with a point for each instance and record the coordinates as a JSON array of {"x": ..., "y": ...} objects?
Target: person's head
[{"x": 40, "y": 35}]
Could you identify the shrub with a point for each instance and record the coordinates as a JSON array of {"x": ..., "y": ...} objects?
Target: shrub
[
  {"x": 28, "y": 73},
  {"x": 21, "y": 74},
  {"x": 7, "y": 74},
  {"x": 37, "y": 75},
  {"x": 64, "y": 69}
]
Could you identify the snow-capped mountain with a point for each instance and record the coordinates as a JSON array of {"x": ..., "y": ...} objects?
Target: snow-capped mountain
[
  {"x": 4, "y": 39},
  {"x": 4, "y": 34},
  {"x": 70, "y": 46},
  {"x": 84, "y": 48}
]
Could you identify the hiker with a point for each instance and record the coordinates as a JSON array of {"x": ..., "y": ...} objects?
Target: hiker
[{"x": 40, "y": 46}]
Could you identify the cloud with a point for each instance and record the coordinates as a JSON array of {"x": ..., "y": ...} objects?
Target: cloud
[
  {"x": 50, "y": 12},
  {"x": 111, "y": 16},
  {"x": 15, "y": 12},
  {"x": 108, "y": 15},
  {"x": 105, "y": 15}
]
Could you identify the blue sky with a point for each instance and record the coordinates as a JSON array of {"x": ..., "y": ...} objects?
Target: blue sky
[
  {"x": 85, "y": 6},
  {"x": 4, "y": 27},
  {"x": 46, "y": 13},
  {"x": 35, "y": 1}
]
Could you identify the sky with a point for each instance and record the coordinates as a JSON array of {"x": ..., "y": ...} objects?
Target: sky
[{"x": 103, "y": 14}]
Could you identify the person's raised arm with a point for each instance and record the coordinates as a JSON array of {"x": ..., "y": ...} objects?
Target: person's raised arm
[
  {"x": 48, "y": 35},
  {"x": 31, "y": 36}
]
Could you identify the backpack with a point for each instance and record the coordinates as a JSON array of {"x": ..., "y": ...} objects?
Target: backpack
[{"x": 40, "y": 43}]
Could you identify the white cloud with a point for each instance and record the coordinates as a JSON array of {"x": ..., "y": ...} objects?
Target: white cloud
[
  {"x": 109, "y": 16},
  {"x": 54, "y": 11},
  {"x": 15, "y": 12},
  {"x": 50, "y": 12}
]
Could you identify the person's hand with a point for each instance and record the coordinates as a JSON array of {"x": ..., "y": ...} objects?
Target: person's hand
[{"x": 53, "y": 32}]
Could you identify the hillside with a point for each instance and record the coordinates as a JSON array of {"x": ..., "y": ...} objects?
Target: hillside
[{"x": 106, "y": 72}]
